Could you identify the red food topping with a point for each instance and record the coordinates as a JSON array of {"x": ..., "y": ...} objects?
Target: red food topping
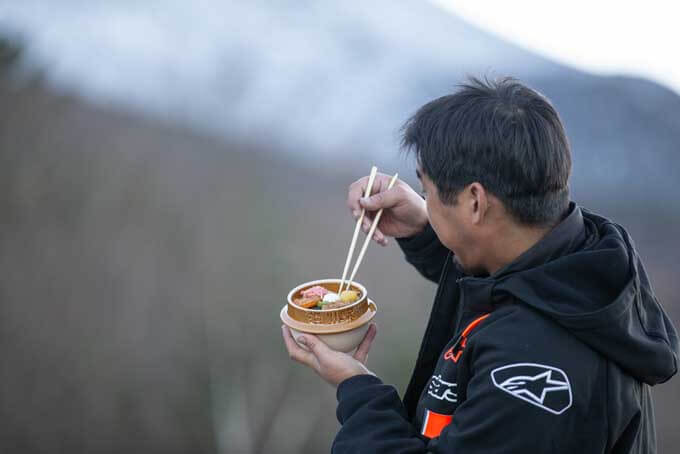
[{"x": 316, "y": 291}]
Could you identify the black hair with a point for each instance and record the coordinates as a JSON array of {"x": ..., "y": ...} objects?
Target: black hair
[{"x": 502, "y": 134}]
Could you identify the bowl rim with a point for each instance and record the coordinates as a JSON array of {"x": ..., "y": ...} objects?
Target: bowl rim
[
  {"x": 364, "y": 294},
  {"x": 329, "y": 329}
]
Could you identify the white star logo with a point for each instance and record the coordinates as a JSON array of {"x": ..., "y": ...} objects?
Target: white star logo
[
  {"x": 534, "y": 383},
  {"x": 525, "y": 385}
]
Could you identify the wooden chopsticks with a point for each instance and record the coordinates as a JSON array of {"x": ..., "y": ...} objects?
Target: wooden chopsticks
[{"x": 369, "y": 235}]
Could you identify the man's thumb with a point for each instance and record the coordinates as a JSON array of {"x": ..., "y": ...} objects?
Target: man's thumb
[{"x": 375, "y": 202}]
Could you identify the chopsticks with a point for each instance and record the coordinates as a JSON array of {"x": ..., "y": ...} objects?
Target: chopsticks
[
  {"x": 369, "y": 235},
  {"x": 367, "y": 192}
]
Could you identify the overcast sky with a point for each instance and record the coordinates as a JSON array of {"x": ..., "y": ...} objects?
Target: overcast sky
[{"x": 608, "y": 37}]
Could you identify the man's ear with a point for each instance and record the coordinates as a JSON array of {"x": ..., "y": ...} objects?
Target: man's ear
[{"x": 479, "y": 202}]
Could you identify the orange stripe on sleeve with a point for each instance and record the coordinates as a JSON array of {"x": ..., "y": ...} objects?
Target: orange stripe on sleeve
[{"x": 434, "y": 423}]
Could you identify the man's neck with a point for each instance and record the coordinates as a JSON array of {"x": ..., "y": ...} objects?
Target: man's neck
[{"x": 512, "y": 242}]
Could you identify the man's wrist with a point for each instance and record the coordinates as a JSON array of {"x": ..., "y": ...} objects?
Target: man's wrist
[
  {"x": 416, "y": 230},
  {"x": 351, "y": 384},
  {"x": 424, "y": 235},
  {"x": 418, "y": 226},
  {"x": 363, "y": 371}
]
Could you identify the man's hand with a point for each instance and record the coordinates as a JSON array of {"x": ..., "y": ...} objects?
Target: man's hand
[
  {"x": 404, "y": 212},
  {"x": 331, "y": 365}
]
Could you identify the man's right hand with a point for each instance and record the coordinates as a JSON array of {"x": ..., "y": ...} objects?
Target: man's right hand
[{"x": 404, "y": 212}]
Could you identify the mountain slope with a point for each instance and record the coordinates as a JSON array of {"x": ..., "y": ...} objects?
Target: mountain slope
[{"x": 335, "y": 80}]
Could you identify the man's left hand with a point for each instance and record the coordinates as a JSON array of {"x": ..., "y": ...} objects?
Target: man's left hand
[{"x": 331, "y": 365}]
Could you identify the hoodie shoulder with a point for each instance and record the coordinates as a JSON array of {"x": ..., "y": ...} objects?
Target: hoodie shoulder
[
  {"x": 516, "y": 332},
  {"x": 600, "y": 294},
  {"x": 529, "y": 362},
  {"x": 518, "y": 338}
]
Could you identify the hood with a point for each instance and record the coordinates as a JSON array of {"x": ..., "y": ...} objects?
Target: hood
[{"x": 586, "y": 275}]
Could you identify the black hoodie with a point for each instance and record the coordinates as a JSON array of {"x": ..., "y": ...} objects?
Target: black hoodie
[{"x": 554, "y": 353}]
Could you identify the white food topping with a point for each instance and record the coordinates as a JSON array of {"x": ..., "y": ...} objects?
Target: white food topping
[{"x": 331, "y": 297}]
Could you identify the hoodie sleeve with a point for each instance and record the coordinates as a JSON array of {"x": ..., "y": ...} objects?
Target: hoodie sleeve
[
  {"x": 373, "y": 419},
  {"x": 425, "y": 252}
]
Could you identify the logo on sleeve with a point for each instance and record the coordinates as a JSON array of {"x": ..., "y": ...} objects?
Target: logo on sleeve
[
  {"x": 442, "y": 390},
  {"x": 546, "y": 387}
]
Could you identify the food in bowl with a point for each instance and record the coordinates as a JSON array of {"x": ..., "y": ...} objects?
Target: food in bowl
[{"x": 320, "y": 298}]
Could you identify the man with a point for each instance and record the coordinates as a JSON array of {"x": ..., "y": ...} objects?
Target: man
[{"x": 545, "y": 334}]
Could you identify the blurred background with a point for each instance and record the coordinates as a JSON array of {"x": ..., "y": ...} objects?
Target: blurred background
[{"x": 169, "y": 170}]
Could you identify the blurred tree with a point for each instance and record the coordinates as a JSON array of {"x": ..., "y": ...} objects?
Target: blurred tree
[{"x": 11, "y": 51}]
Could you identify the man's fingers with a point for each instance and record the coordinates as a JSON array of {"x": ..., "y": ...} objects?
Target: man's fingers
[
  {"x": 354, "y": 193},
  {"x": 381, "y": 198},
  {"x": 295, "y": 352},
  {"x": 357, "y": 190},
  {"x": 380, "y": 237},
  {"x": 362, "y": 351},
  {"x": 385, "y": 199},
  {"x": 366, "y": 224},
  {"x": 315, "y": 345}
]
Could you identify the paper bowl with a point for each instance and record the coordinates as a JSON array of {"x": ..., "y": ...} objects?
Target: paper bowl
[{"x": 342, "y": 328}]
